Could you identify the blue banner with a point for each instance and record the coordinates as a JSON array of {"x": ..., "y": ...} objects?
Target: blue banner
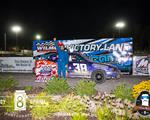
[{"x": 116, "y": 51}]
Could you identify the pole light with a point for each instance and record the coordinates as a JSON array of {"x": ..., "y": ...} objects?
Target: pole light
[
  {"x": 16, "y": 29},
  {"x": 119, "y": 26},
  {"x": 38, "y": 36}
]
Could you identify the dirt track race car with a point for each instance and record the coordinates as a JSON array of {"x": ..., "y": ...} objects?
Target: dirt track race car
[{"x": 79, "y": 66}]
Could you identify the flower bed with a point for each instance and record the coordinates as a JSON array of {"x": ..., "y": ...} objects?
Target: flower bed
[
  {"x": 79, "y": 103},
  {"x": 71, "y": 105}
]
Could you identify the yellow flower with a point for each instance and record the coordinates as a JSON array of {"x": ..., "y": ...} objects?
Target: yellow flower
[{"x": 144, "y": 85}]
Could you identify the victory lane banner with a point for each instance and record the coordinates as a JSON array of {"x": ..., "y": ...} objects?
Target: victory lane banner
[{"x": 115, "y": 51}]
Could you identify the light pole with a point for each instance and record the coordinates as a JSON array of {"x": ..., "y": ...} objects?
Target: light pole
[
  {"x": 119, "y": 26},
  {"x": 5, "y": 41},
  {"x": 38, "y": 36},
  {"x": 16, "y": 29}
]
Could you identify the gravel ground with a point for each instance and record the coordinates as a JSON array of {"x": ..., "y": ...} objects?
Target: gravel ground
[{"x": 107, "y": 86}]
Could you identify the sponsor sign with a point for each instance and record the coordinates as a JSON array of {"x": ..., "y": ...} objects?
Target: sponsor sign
[
  {"x": 42, "y": 47},
  {"x": 142, "y": 104},
  {"x": 140, "y": 65},
  {"x": 44, "y": 70},
  {"x": 20, "y": 100},
  {"x": 117, "y": 51},
  {"x": 16, "y": 64}
]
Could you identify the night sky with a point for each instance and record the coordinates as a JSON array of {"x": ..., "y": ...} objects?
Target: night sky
[{"x": 74, "y": 20}]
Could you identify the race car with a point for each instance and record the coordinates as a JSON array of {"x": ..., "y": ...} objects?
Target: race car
[{"x": 78, "y": 66}]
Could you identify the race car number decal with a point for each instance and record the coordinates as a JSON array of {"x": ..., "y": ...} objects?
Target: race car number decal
[{"x": 80, "y": 67}]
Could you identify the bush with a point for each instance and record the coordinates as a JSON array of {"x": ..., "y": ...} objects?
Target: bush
[
  {"x": 142, "y": 86},
  {"x": 104, "y": 113},
  {"x": 70, "y": 104},
  {"x": 9, "y": 103},
  {"x": 57, "y": 86},
  {"x": 28, "y": 88},
  {"x": 79, "y": 116},
  {"x": 123, "y": 92},
  {"x": 7, "y": 84},
  {"x": 85, "y": 88},
  {"x": 42, "y": 106}
]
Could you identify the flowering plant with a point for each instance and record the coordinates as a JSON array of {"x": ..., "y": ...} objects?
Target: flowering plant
[{"x": 142, "y": 86}]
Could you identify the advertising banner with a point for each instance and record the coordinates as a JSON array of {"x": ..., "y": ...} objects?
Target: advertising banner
[
  {"x": 41, "y": 47},
  {"x": 45, "y": 70},
  {"x": 115, "y": 51},
  {"x": 140, "y": 65},
  {"x": 16, "y": 64}
]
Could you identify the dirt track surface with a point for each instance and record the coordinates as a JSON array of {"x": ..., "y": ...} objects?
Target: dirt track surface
[{"x": 107, "y": 86}]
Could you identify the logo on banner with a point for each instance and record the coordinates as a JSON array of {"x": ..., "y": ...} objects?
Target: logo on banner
[
  {"x": 97, "y": 47},
  {"x": 45, "y": 67},
  {"x": 142, "y": 65},
  {"x": 45, "y": 47},
  {"x": 44, "y": 70}
]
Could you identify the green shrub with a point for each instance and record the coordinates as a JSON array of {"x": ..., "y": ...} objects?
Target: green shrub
[
  {"x": 7, "y": 84},
  {"x": 85, "y": 88},
  {"x": 123, "y": 92},
  {"x": 28, "y": 88},
  {"x": 70, "y": 104},
  {"x": 42, "y": 106},
  {"x": 57, "y": 86},
  {"x": 104, "y": 113},
  {"x": 9, "y": 103},
  {"x": 78, "y": 116}
]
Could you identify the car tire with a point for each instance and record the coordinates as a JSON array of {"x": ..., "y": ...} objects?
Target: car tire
[{"x": 98, "y": 76}]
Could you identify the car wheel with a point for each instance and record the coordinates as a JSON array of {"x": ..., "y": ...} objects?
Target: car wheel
[{"x": 98, "y": 76}]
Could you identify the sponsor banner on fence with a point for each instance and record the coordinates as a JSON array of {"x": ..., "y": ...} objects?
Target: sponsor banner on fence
[
  {"x": 140, "y": 65},
  {"x": 16, "y": 64}
]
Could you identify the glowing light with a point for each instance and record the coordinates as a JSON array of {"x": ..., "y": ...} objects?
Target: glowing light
[
  {"x": 120, "y": 24},
  {"x": 38, "y": 37},
  {"x": 16, "y": 28}
]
